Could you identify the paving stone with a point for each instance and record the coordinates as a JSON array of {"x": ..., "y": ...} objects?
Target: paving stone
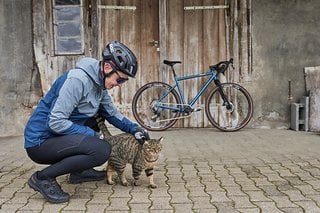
[
  {"x": 76, "y": 205},
  {"x": 271, "y": 191},
  {"x": 195, "y": 182},
  {"x": 227, "y": 181},
  {"x": 118, "y": 204},
  {"x": 175, "y": 178},
  {"x": 314, "y": 183},
  {"x": 267, "y": 207},
  {"x": 249, "y": 210},
  {"x": 257, "y": 196},
  {"x": 159, "y": 192},
  {"x": 292, "y": 210},
  {"x": 234, "y": 191},
  {"x": 208, "y": 177},
  {"x": 213, "y": 186},
  {"x": 296, "y": 195},
  {"x": 241, "y": 202},
  {"x": 308, "y": 206},
  {"x": 202, "y": 203},
  {"x": 182, "y": 207},
  {"x": 180, "y": 197},
  {"x": 283, "y": 202},
  {"x": 177, "y": 187},
  {"x": 95, "y": 207},
  {"x": 248, "y": 186},
  {"x": 161, "y": 203},
  {"x": 307, "y": 190},
  {"x": 139, "y": 197},
  {"x": 225, "y": 207},
  {"x": 218, "y": 197},
  {"x": 99, "y": 198}
]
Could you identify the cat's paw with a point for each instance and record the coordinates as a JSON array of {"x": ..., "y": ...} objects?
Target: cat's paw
[
  {"x": 137, "y": 183},
  {"x": 110, "y": 182},
  {"x": 153, "y": 186},
  {"x": 125, "y": 183}
]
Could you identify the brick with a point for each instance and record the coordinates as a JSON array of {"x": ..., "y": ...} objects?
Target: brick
[{"x": 257, "y": 196}]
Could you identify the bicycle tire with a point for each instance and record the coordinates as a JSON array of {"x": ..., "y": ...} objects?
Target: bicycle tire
[
  {"x": 144, "y": 106},
  {"x": 234, "y": 119}
]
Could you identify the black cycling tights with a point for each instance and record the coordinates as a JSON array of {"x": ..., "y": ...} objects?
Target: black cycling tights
[{"x": 70, "y": 153}]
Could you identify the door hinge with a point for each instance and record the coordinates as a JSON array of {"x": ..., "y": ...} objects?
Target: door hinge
[
  {"x": 114, "y": 7},
  {"x": 206, "y": 7}
]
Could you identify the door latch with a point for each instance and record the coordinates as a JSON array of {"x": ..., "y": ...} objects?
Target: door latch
[{"x": 154, "y": 43}]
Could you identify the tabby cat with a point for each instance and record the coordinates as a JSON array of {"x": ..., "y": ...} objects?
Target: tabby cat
[{"x": 125, "y": 149}]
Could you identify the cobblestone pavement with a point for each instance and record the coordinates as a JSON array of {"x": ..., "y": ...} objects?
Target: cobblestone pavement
[{"x": 200, "y": 170}]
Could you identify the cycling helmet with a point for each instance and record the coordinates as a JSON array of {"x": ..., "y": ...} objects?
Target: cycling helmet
[{"x": 123, "y": 58}]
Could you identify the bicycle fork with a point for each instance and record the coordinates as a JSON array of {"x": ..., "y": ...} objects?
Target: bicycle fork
[{"x": 223, "y": 96}]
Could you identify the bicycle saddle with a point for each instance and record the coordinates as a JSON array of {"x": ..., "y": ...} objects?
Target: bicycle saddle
[{"x": 171, "y": 63}]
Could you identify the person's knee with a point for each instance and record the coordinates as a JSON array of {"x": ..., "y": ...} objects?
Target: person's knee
[{"x": 103, "y": 153}]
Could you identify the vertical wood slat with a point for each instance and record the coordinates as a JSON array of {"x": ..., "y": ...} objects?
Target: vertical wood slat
[
  {"x": 239, "y": 18},
  {"x": 192, "y": 53}
]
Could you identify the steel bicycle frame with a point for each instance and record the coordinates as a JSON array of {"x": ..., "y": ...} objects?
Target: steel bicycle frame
[{"x": 180, "y": 93}]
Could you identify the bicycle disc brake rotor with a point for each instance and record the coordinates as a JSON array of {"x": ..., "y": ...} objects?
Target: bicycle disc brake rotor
[{"x": 155, "y": 109}]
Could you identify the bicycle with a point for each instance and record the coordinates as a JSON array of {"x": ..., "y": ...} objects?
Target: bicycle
[{"x": 157, "y": 105}]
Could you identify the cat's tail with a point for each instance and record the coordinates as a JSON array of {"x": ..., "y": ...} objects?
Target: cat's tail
[{"x": 102, "y": 126}]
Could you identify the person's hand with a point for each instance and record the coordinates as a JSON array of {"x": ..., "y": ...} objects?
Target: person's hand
[{"x": 141, "y": 135}]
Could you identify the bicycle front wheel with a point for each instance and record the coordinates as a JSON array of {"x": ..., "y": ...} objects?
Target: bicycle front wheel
[
  {"x": 234, "y": 112},
  {"x": 150, "y": 106}
]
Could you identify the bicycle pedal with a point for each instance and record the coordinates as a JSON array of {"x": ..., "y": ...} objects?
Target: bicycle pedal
[{"x": 197, "y": 109}]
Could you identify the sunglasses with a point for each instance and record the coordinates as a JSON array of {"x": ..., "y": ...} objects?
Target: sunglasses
[{"x": 121, "y": 80}]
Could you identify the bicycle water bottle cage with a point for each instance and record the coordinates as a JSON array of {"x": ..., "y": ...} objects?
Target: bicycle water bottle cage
[{"x": 171, "y": 63}]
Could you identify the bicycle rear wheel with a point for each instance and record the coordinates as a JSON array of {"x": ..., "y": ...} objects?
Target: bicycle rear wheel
[
  {"x": 149, "y": 106},
  {"x": 231, "y": 117}
]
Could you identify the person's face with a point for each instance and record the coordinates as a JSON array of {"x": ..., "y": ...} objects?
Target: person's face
[{"x": 116, "y": 79}]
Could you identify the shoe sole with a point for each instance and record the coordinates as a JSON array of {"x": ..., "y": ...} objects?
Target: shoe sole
[{"x": 36, "y": 188}]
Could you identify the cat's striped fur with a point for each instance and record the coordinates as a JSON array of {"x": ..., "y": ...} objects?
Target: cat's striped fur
[{"x": 125, "y": 149}]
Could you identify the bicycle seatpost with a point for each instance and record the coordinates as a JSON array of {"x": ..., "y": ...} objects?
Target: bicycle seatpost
[{"x": 174, "y": 72}]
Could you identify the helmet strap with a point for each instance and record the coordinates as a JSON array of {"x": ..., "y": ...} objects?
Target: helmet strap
[{"x": 107, "y": 75}]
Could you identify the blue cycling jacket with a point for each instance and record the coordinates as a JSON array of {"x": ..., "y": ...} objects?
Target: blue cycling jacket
[{"x": 73, "y": 98}]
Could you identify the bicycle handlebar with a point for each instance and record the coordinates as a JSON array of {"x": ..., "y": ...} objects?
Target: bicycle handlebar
[{"x": 222, "y": 66}]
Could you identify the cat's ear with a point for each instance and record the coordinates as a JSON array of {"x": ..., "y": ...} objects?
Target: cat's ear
[{"x": 161, "y": 139}]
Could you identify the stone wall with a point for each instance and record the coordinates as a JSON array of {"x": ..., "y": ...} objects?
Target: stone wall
[{"x": 285, "y": 40}]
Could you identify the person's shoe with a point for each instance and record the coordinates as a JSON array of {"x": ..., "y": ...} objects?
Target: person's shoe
[
  {"x": 87, "y": 175},
  {"x": 49, "y": 188}
]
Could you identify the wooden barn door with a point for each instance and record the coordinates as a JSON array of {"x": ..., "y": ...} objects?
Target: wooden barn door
[
  {"x": 196, "y": 35},
  {"x": 135, "y": 23}
]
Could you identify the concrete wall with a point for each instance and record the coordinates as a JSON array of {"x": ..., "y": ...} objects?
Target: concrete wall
[
  {"x": 286, "y": 38},
  {"x": 17, "y": 74}
]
